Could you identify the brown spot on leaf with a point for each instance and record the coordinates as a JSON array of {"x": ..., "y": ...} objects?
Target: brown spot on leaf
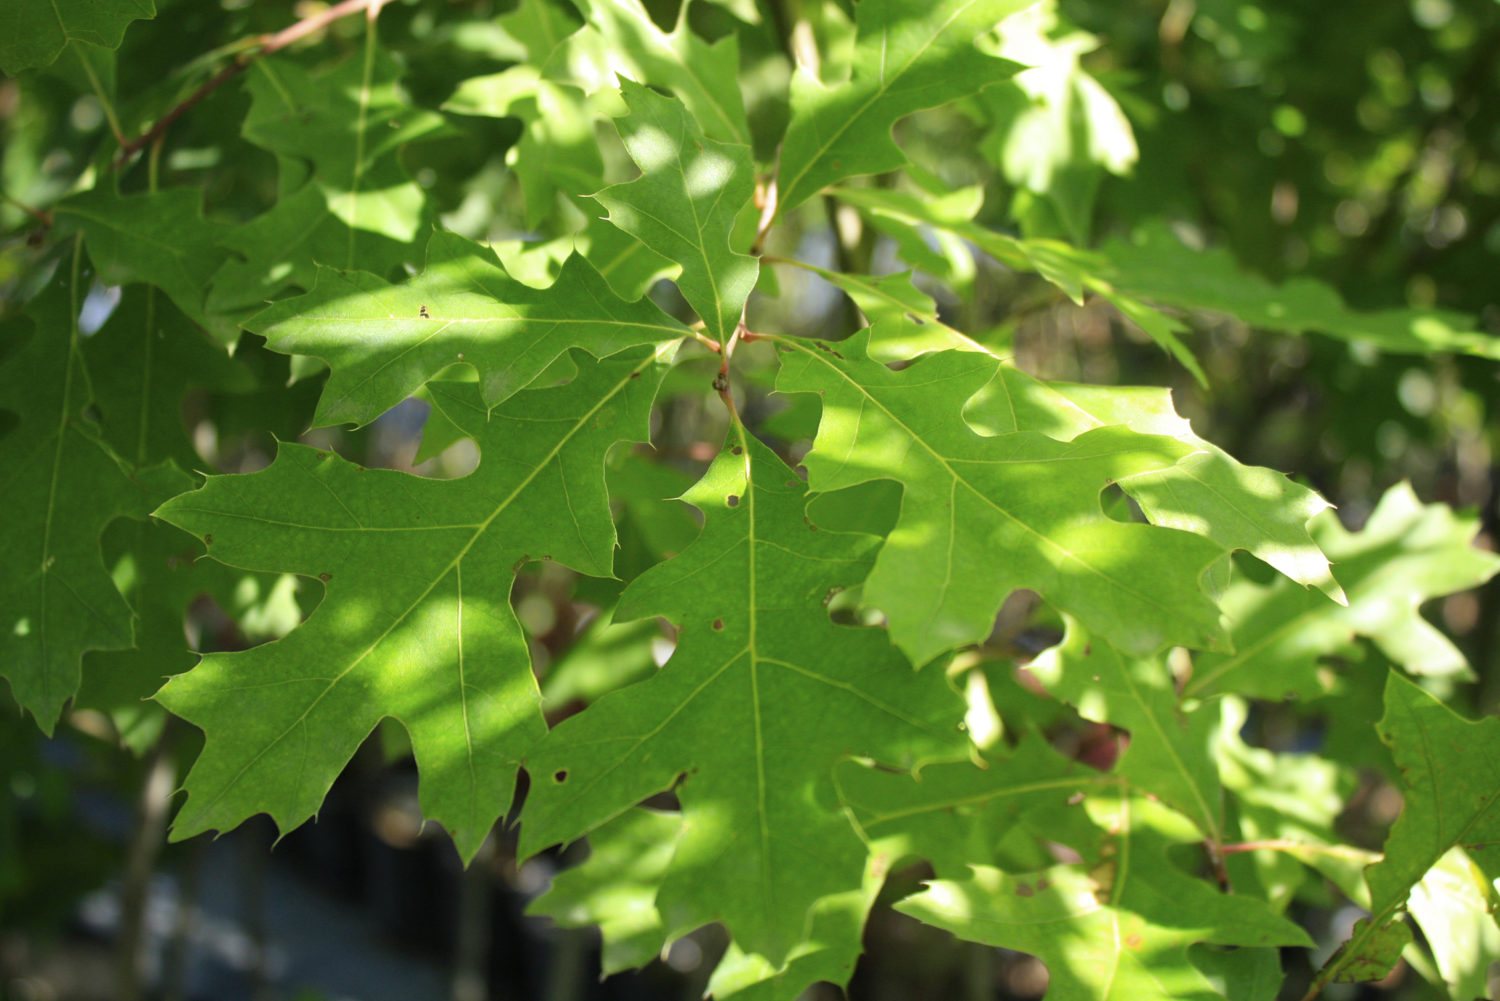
[
  {"x": 1133, "y": 940},
  {"x": 1024, "y": 890},
  {"x": 718, "y": 623},
  {"x": 732, "y": 500},
  {"x": 208, "y": 540},
  {"x": 325, "y": 577}
]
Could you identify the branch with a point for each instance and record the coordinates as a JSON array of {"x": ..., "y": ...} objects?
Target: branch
[{"x": 263, "y": 46}]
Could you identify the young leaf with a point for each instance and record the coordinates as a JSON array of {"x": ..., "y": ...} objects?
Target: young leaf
[
  {"x": 1120, "y": 932},
  {"x": 908, "y": 55},
  {"x": 982, "y": 517},
  {"x": 62, "y": 485},
  {"x": 1449, "y": 804},
  {"x": 33, "y": 32},
  {"x": 1407, "y": 553},
  {"x": 416, "y": 622},
  {"x": 1240, "y": 507},
  {"x": 384, "y": 341},
  {"x": 684, "y": 204},
  {"x": 762, "y": 697}
]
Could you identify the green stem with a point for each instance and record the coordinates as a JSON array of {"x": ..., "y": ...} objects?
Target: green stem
[{"x": 104, "y": 101}]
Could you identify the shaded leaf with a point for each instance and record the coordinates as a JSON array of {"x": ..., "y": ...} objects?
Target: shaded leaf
[
  {"x": 615, "y": 887},
  {"x": 62, "y": 485},
  {"x": 34, "y": 32},
  {"x": 619, "y": 39},
  {"x": 347, "y": 123},
  {"x": 1169, "y": 752},
  {"x": 159, "y": 238}
]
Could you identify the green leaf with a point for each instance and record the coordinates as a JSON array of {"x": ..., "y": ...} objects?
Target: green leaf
[
  {"x": 1240, "y": 507},
  {"x": 558, "y": 151},
  {"x": 619, "y": 39},
  {"x": 1406, "y": 554},
  {"x": 1449, "y": 804},
  {"x": 1455, "y": 904},
  {"x": 684, "y": 204},
  {"x": 1057, "y": 130},
  {"x": 763, "y": 695},
  {"x": 908, "y": 55},
  {"x": 984, "y": 516},
  {"x": 384, "y": 341},
  {"x": 416, "y": 621},
  {"x": 34, "y": 32},
  {"x": 958, "y": 812},
  {"x": 62, "y": 485},
  {"x": 156, "y": 568},
  {"x": 827, "y": 954},
  {"x": 282, "y": 248},
  {"x": 1154, "y": 265},
  {"x": 142, "y": 363},
  {"x": 160, "y": 238},
  {"x": 1291, "y": 800},
  {"x": 348, "y": 123},
  {"x": 1122, "y": 931},
  {"x": 537, "y": 27},
  {"x": 615, "y": 887},
  {"x": 1168, "y": 755}
]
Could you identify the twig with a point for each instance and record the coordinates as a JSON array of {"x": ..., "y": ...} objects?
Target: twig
[{"x": 264, "y": 46}]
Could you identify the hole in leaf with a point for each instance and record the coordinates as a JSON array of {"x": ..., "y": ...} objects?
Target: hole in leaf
[
  {"x": 560, "y": 776},
  {"x": 1120, "y": 506}
]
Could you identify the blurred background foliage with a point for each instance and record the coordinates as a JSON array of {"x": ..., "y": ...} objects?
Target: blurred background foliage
[{"x": 1356, "y": 144}]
